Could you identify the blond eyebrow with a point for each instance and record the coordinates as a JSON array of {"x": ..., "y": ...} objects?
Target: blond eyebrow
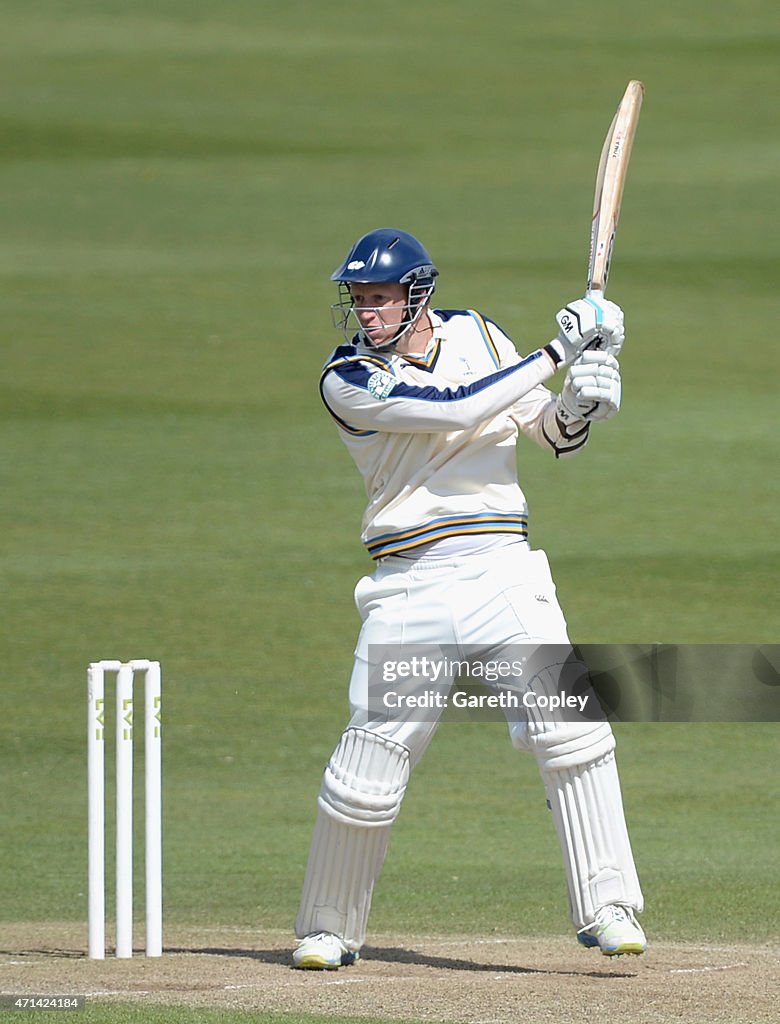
[{"x": 370, "y": 295}]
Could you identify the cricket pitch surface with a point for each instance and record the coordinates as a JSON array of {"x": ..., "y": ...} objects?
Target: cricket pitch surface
[{"x": 454, "y": 979}]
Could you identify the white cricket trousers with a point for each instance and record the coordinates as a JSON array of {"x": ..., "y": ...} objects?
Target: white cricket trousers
[{"x": 479, "y": 602}]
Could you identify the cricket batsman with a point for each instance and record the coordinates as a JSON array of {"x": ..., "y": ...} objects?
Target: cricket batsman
[{"x": 430, "y": 404}]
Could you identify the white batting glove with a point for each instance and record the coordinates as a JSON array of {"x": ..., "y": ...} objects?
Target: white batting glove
[
  {"x": 592, "y": 388},
  {"x": 592, "y": 322}
]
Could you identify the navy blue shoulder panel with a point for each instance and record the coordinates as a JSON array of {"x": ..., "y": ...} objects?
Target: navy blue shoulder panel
[
  {"x": 448, "y": 314},
  {"x": 342, "y": 352}
]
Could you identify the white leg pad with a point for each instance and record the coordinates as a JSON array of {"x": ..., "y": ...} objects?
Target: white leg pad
[
  {"x": 362, "y": 789},
  {"x": 577, "y": 762},
  {"x": 587, "y": 807}
]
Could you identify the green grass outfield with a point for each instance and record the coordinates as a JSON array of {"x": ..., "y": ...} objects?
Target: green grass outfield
[
  {"x": 177, "y": 182},
  {"x": 103, "y": 1013}
]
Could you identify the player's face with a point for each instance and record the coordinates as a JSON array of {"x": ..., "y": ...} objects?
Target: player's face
[{"x": 380, "y": 309}]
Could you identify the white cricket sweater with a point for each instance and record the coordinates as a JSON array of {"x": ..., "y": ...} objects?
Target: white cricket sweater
[{"x": 434, "y": 435}]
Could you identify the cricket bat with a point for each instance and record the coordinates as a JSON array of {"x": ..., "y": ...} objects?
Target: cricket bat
[{"x": 610, "y": 182}]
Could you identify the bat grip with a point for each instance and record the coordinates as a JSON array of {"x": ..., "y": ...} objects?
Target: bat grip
[{"x": 598, "y": 342}]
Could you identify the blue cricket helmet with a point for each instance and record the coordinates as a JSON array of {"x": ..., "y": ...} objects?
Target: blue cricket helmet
[{"x": 385, "y": 255}]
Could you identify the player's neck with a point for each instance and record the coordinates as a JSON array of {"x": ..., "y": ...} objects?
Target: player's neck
[{"x": 417, "y": 339}]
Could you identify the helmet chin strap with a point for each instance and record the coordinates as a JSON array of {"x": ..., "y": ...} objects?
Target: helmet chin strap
[
  {"x": 401, "y": 333},
  {"x": 385, "y": 345}
]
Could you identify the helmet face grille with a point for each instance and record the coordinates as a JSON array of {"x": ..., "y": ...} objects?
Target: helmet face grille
[{"x": 345, "y": 313}]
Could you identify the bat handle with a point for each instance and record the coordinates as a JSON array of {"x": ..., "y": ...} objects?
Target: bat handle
[{"x": 596, "y": 294}]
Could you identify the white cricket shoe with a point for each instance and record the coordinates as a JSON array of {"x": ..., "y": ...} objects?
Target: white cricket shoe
[
  {"x": 615, "y": 931},
  {"x": 322, "y": 951}
]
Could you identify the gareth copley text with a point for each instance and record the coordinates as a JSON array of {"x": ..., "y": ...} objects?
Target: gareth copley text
[{"x": 505, "y": 699}]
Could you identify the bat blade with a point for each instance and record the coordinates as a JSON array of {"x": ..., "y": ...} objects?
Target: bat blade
[{"x": 610, "y": 183}]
